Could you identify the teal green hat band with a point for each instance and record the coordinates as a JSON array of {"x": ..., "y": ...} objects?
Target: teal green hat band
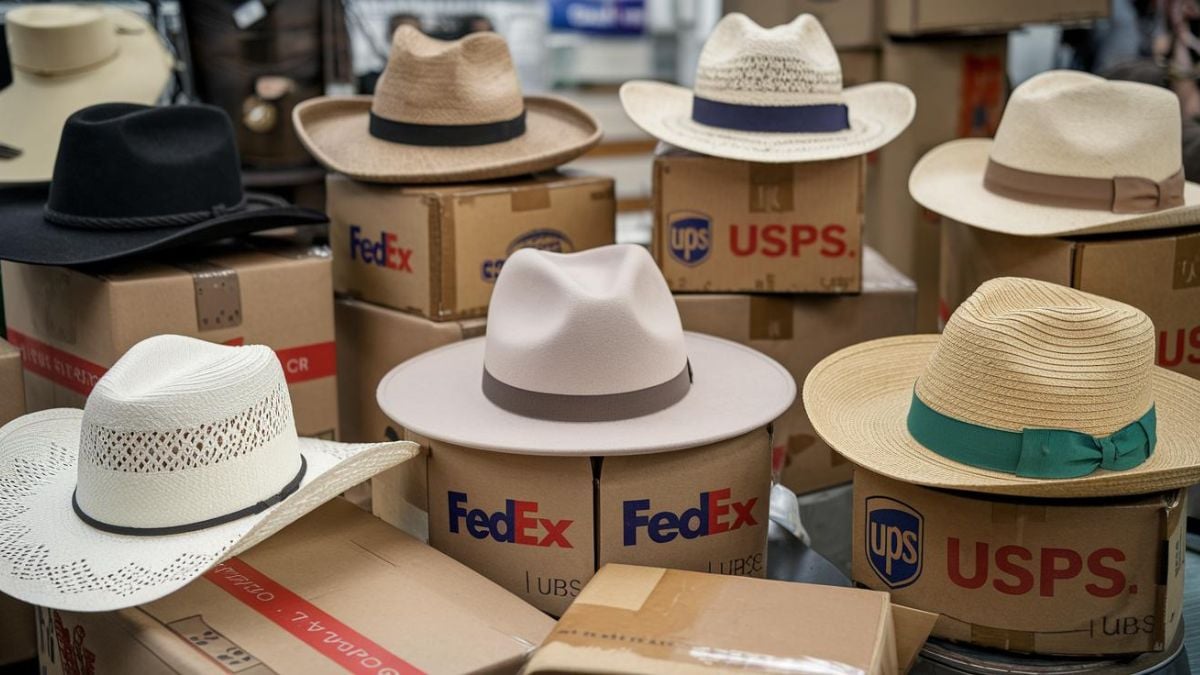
[{"x": 1032, "y": 453}]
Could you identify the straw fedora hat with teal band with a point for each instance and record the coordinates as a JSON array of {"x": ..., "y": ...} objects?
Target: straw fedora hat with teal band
[{"x": 1034, "y": 389}]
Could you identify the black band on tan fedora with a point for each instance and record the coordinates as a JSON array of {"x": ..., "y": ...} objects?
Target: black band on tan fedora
[
  {"x": 258, "y": 507},
  {"x": 587, "y": 407},
  {"x": 447, "y": 135},
  {"x": 1120, "y": 194}
]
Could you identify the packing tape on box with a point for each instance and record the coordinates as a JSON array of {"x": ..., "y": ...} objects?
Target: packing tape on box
[
  {"x": 1012, "y": 514},
  {"x": 771, "y": 188},
  {"x": 218, "y": 295},
  {"x": 530, "y": 199},
  {"x": 1000, "y": 638},
  {"x": 771, "y": 318}
]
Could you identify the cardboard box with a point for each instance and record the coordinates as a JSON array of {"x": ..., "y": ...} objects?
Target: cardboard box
[
  {"x": 653, "y": 620},
  {"x": 916, "y": 17},
  {"x": 1073, "y": 577},
  {"x": 339, "y": 591},
  {"x": 727, "y": 225},
  {"x": 849, "y": 23},
  {"x": 540, "y": 526},
  {"x": 960, "y": 85},
  {"x": 73, "y": 324},
  {"x": 17, "y": 640},
  {"x": 437, "y": 249},
  {"x": 859, "y": 66},
  {"x": 798, "y": 331},
  {"x": 1157, "y": 272}
]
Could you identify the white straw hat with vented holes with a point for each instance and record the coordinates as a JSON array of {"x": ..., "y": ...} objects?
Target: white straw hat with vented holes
[
  {"x": 1074, "y": 154},
  {"x": 444, "y": 111},
  {"x": 185, "y": 454},
  {"x": 770, "y": 95},
  {"x": 585, "y": 354},
  {"x": 1033, "y": 389}
]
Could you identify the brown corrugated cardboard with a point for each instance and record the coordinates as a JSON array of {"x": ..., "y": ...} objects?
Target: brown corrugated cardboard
[
  {"x": 726, "y": 225},
  {"x": 437, "y": 249},
  {"x": 72, "y": 325},
  {"x": 798, "y": 331},
  {"x": 914, "y": 17},
  {"x": 1157, "y": 272},
  {"x": 849, "y": 23},
  {"x": 17, "y": 641},
  {"x": 652, "y": 620},
  {"x": 961, "y": 88},
  {"x": 540, "y": 526},
  {"x": 339, "y": 591},
  {"x": 1079, "y": 577}
]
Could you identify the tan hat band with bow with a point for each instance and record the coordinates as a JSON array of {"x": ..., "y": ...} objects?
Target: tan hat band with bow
[{"x": 1120, "y": 194}]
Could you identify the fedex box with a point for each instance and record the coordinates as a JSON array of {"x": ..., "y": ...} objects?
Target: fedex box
[
  {"x": 725, "y": 225},
  {"x": 437, "y": 250},
  {"x": 71, "y": 325},
  {"x": 1157, "y": 272},
  {"x": 1072, "y": 577},
  {"x": 920, "y": 17},
  {"x": 540, "y": 526}
]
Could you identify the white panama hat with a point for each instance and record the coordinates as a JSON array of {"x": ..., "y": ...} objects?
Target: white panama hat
[
  {"x": 1074, "y": 154},
  {"x": 185, "y": 454},
  {"x": 585, "y": 355},
  {"x": 770, "y": 95}
]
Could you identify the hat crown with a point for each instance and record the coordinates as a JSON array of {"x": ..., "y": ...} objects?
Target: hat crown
[
  {"x": 436, "y": 82},
  {"x": 1023, "y": 354},
  {"x": 60, "y": 39},
  {"x": 597, "y": 322},
  {"x": 123, "y": 160},
  {"x": 1069, "y": 123},
  {"x": 792, "y": 64},
  {"x": 180, "y": 430}
]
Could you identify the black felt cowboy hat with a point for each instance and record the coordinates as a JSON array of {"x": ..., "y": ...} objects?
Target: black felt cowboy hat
[{"x": 131, "y": 179}]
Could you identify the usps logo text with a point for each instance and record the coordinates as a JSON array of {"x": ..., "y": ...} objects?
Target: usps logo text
[
  {"x": 894, "y": 534},
  {"x": 518, "y": 523},
  {"x": 717, "y": 512},
  {"x": 691, "y": 237}
]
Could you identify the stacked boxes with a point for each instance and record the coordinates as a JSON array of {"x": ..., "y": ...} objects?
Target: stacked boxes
[{"x": 17, "y": 635}]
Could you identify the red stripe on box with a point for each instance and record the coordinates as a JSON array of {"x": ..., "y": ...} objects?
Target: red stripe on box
[
  {"x": 314, "y": 627},
  {"x": 54, "y": 364},
  {"x": 300, "y": 364}
]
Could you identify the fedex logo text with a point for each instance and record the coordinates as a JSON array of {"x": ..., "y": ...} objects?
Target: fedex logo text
[
  {"x": 382, "y": 252},
  {"x": 516, "y": 524},
  {"x": 716, "y": 513}
]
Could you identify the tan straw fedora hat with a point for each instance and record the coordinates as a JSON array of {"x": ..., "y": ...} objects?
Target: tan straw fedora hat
[
  {"x": 1074, "y": 154},
  {"x": 1033, "y": 389},
  {"x": 443, "y": 112},
  {"x": 770, "y": 95},
  {"x": 66, "y": 58}
]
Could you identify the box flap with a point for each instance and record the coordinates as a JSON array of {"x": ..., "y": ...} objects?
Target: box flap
[{"x": 913, "y": 627}]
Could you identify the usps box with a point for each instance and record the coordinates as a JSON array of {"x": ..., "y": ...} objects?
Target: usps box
[
  {"x": 541, "y": 526},
  {"x": 1073, "y": 577},
  {"x": 437, "y": 250},
  {"x": 723, "y": 225}
]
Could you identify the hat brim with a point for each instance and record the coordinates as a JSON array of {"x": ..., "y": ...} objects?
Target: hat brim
[
  {"x": 879, "y": 111},
  {"x": 334, "y": 129},
  {"x": 439, "y": 395},
  {"x": 34, "y": 107},
  {"x": 858, "y": 400},
  {"x": 49, "y": 557},
  {"x": 27, "y": 237},
  {"x": 948, "y": 180}
]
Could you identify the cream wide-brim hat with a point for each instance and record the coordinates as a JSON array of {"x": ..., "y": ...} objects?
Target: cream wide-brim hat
[
  {"x": 735, "y": 390},
  {"x": 33, "y": 108},
  {"x": 878, "y": 111},
  {"x": 948, "y": 180},
  {"x": 334, "y": 130},
  {"x": 66, "y": 564},
  {"x": 858, "y": 401}
]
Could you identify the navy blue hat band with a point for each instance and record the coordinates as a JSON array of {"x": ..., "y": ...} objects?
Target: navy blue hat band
[{"x": 823, "y": 118}]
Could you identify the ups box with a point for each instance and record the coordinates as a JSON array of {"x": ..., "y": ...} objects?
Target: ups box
[
  {"x": 541, "y": 526},
  {"x": 437, "y": 250},
  {"x": 71, "y": 325},
  {"x": 1158, "y": 272},
  {"x": 920, "y": 17},
  {"x": 722, "y": 225},
  {"x": 1095, "y": 577}
]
